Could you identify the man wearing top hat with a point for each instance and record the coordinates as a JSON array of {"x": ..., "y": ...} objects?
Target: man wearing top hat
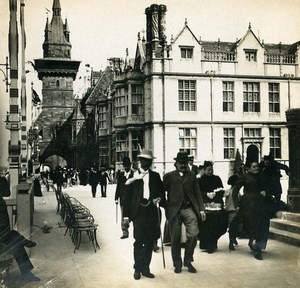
[
  {"x": 122, "y": 178},
  {"x": 143, "y": 193},
  {"x": 184, "y": 205}
]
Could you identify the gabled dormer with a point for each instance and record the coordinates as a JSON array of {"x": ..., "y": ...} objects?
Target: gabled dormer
[
  {"x": 250, "y": 54},
  {"x": 185, "y": 50}
]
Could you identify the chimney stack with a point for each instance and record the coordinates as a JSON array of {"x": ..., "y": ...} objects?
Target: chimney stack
[{"x": 156, "y": 27}]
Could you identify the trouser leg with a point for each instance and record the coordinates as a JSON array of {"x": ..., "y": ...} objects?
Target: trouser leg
[
  {"x": 191, "y": 223},
  {"x": 175, "y": 227}
]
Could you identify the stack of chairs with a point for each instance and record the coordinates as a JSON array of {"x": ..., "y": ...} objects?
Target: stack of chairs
[{"x": 77, "y": 218}]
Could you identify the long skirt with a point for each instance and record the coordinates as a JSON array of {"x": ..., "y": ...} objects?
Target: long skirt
[
  {"x": 37, "y": 188},
  {"x": 212, "y": 229}
]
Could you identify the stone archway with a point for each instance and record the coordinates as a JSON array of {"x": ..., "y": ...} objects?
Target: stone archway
[{"x": 252, "y": 154}]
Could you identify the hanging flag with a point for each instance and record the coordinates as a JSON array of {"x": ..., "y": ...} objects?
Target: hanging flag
[{"x": 35, "y": 97}]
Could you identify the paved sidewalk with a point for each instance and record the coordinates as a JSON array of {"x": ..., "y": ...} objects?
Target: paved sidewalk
[{"x": 112, "y": 265}]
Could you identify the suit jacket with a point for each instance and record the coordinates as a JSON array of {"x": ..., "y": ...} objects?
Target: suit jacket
[
  {"x": 121, "y": 180},
  {"x": 176, "y": 186},
  {"x": 134, "y": 193}
]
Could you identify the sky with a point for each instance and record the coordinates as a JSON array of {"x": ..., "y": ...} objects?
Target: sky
[{"x": 105, "y": 28}]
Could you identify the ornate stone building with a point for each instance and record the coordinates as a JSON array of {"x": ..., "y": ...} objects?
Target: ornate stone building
[{"x": 209, "y": 98}]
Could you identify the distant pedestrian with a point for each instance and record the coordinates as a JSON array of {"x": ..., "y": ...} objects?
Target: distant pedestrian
[
  {"x": 37, "y": 190},
  {"x": 184, "y": 205},
  {"x": 123, "y": 176},
  {"x": 103, "y": 180},
  {"x": 191, "y": 166},
  {"x": 94, "y": 180}
]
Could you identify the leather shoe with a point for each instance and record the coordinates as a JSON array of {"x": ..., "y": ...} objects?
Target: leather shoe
[
  {"x": 124, "y": 236},
  {"x": 155, "y": 248},
  {"x": 177, "y": 270},
  {"x": 148, "y": 275},
  {"x": 29, "y": 243},
  {"x": 29, "y": 277},
  {"x": 190, "y": 267},
  {"x": 137, "y": 275},
  {"x": 258, "y": 256}
]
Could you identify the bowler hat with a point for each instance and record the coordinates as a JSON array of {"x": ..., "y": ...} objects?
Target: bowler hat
[
  {"x": 147, "y": 154},
  {"x": 126, "y": 161},
  {"x": 191, "y": 157},
  {"x": 182, "y": 156}
]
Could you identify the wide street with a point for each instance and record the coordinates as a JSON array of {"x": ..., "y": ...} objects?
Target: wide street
[{"x": 112, "y": 265}]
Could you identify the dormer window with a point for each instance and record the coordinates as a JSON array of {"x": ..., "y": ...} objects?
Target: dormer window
[
  {"x": 186, "y": 52},
  {"x": 251, "y": 55}
]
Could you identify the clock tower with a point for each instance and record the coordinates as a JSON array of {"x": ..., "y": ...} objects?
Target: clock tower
[{"x": 57, "y": 71}]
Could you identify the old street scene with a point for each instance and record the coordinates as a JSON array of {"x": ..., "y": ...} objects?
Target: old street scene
[{"x": 149, "y": 144}]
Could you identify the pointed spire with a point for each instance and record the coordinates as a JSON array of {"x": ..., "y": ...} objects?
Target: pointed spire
[
  {"x": 66, "y": 26},
  {"x": 56, "y": 8},
  {"x": 47, "y": 24},
  {"x": 172, "y": 39},
  {"x": 139, "y": 36}
]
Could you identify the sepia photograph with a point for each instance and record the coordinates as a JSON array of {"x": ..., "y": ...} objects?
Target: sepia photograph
[{"x": 149, "y": 144}]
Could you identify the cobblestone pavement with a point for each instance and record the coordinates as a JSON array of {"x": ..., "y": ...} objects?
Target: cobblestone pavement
[{"x": 112, "y": 265}]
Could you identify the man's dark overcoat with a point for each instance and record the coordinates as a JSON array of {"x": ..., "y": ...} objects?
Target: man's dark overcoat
[{"x": 176, "y": 186}]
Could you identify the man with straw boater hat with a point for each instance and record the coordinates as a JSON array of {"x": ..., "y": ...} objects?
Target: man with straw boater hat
[
  {"x": 143, "y": 193},
  {"x": 184, "y": 205}
]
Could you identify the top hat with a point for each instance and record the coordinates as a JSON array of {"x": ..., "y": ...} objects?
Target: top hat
[
  {"x": 182, "y": 156},
  {"x": 268, "y": 158},
  {"x": 126, "y": 161},
  {"x": 147, "y": 154}
]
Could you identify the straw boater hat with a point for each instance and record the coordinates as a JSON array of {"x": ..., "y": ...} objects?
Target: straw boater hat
[{"x": 147, "y": 154}]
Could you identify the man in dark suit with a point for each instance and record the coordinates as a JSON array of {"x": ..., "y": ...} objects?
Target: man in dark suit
[
  {"x": 121, "y": 179},
  {"x": 13, "y": 241},
  {"x": 191, "y": 166},
  {"x": 184, "y": 205},
  {"x": 94, "y": 180},
  {"x": 143, "y": 193}
]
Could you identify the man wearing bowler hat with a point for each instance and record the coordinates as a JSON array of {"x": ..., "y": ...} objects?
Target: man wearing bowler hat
[
  {"x": 122, "y": 178},
  {"x": 143, "y": 192},
  {"x": 184, "y": 205}
]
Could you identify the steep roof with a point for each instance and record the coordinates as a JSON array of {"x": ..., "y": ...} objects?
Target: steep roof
[{"x": 102, "y": 87}]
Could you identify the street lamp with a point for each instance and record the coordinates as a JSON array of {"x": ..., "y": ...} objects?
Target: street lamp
[{"x": 5, "y": 73}]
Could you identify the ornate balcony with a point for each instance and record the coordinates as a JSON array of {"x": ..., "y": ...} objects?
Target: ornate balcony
[
  {"x": 280, "y": 59},
  {"x": 218, "y": 56}
]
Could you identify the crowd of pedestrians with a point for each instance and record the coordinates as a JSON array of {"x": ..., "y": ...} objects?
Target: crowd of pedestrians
[{"x": 197, "y": 207}]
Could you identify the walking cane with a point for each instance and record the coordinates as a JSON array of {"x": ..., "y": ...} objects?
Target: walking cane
[
  {"x": 161, "y": 241},
  {"x": 116, "y": 212}
]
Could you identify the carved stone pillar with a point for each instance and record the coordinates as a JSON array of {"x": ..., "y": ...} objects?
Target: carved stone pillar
[{"x": 293, "y": 125}]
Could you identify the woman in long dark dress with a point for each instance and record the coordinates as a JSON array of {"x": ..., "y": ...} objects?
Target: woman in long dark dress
[
  {"x": 36, "y": 183},
  {"x": 216, "y": 222},
  {"x": 253, "y": 210}
]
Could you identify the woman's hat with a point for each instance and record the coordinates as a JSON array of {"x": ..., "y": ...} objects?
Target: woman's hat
[
  {"x": 147, "y": 154},
  {"x": 182, "y": 156}
]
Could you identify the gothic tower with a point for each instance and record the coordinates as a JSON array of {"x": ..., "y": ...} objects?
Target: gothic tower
[{"x": 57, "y": 72}]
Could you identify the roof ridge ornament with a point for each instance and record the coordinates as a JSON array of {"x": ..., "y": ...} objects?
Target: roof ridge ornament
[
  {"x": 185, "y": 21},
  {"x": 249, "y": 27}
]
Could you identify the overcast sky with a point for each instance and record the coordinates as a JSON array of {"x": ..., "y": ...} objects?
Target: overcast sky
[{"x": 105, "y": 28}]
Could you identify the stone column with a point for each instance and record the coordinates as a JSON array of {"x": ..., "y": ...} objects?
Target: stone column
[{"x": 293, "y": 125}]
